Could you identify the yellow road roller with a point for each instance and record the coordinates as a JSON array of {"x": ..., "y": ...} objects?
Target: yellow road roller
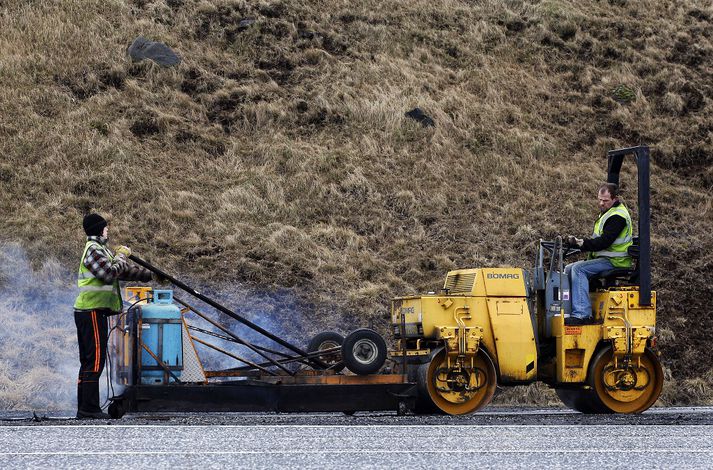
[{"x": 506, "y": 326}]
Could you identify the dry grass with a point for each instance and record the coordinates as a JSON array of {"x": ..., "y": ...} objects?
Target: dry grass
[{"x": 278, "y": 157}]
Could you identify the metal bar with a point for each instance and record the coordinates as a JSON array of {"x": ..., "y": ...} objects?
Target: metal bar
[
  {"x": 160, "y": 362},
  {"x": 136, "y": 329},
  {"x": 404, "y": 364},
  {"x": 322, "y": 379},
  {"x": 227, "y": 338},
  {"x": 641, "y": 154},
  {"x": 212, "y": 333},
  {"x": 257, "y": 396},
  {"x": 642, "y": 160},
  {"x": 245, "y": 361},
  {"x": 288, "y": 360},
  {"x": 286, "y": 357},
  {"x": 234, "y": 336},
  {"x": 225, "y": 310}
]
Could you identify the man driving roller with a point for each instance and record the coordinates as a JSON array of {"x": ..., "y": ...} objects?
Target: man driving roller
[{"x": 607, "y": 249}]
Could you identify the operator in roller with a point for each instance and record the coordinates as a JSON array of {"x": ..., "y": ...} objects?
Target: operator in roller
[
  {"x": 100, "y": 271},
  {"x": 607, "y": 249}
]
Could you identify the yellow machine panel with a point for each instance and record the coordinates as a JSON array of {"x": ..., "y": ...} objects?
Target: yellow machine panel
[
  {"x": 514, "y": 339},
  {"x": 502, "y": 282},
  {"x": 493, "y": 282}
]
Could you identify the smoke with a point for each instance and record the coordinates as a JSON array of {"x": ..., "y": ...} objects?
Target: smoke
[
  {"x": 279, "y": 312},
  {"x": 38, "y": 345},
  {"x": 39, "y": 357}
]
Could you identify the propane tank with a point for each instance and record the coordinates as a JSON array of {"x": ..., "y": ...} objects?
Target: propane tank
[{"x": 160, "y": 329}]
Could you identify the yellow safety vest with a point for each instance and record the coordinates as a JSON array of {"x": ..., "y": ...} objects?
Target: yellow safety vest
[
  {"x": 617, "y": 253},
  {"x": 95, "y": 294}
]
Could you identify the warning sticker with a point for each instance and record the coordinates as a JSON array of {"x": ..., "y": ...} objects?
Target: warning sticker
[{"x": 573, "y": 330}]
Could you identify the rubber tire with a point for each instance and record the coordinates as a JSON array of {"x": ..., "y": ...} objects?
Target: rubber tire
[
  {"x": 423, "y": 404},
  {"x": 354, "y": 364},
  {"x": 579, "y": 400},
  {"x": 323, "y": 337}
]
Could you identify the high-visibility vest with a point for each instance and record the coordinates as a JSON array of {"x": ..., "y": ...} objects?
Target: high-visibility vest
[
  {"x": 95, "y": 294},
  {"x": 617, "y": 252}
]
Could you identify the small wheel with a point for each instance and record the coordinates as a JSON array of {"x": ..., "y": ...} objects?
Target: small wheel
[
  {"x": 621, "y": 388},
  {"x": 116, "y": 409},
  {"x": 457, "y": 391},
  {"x": 364, "y": 351},
  {"x": 328, "y": 340}
]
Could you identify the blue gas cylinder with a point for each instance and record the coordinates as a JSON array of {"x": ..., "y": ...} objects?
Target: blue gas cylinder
[{"x": 161, "y": 330}]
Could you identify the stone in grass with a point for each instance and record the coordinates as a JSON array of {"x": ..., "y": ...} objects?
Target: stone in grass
[
  {"x": 418, "y": 115},
  {"x": 159, "y": 52},
  {"x": 245, "y": 23}
]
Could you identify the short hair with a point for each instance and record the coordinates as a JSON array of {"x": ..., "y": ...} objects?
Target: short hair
[{"x": 610, "y": 188}]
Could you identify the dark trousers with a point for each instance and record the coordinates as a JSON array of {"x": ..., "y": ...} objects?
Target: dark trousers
[{"x": 92, "y": 333}]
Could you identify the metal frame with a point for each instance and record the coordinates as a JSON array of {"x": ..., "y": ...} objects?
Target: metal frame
[
  {"x": 260, "y": 396},
  {"x": 641, "y": 155}
]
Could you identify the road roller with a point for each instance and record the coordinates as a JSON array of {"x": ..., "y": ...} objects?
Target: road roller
[{"x": 490, "y": 327}]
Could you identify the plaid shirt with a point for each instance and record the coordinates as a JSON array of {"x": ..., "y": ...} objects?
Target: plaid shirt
[{"x": 98, "y": 262}]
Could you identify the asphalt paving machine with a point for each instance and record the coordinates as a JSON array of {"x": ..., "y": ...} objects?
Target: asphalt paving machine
[{"x": 506, "y": 326}]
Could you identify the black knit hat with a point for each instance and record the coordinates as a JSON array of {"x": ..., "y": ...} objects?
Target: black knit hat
[{"x": 93, "y": 224}]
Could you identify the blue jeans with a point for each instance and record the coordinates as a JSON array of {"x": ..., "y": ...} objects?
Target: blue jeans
[{"x": 579, "y": 274}]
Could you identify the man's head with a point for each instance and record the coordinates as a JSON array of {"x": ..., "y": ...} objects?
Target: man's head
[
  {"x": 94, "y": 225},
  {"x": 607, "y": 196}
]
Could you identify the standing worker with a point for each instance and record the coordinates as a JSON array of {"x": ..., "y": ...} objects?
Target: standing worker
[
  {"x": 608, "y": 249},
  {"x": 100, "y": 271}
]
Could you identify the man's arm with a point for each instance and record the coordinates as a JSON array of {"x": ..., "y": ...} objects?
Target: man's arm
[
  {"x": 101, "y": 266},
  {"x": 612, "y": 228},
  {"x": 135, "y": 273}
]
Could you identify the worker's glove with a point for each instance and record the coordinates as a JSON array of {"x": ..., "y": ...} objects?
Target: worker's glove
[
  {"x": 123, "y": 250},
  {"x": 160, "y": 279},
  {"x": 574, "y": 242}
]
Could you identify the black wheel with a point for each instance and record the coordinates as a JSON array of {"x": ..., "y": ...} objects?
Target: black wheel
[
  {"x": 328, "y": 340},
  {"x": 364, "y": 351},
  {"x": 116, "y": 409},
  {"x": 578, "y": 399},
  {"x": 423, "y": 404}
]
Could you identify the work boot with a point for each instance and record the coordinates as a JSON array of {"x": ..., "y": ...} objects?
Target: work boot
[{"x": 92, "y": 415}]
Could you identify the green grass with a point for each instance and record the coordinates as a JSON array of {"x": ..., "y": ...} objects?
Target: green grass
[{"x": 279, "y": 156}]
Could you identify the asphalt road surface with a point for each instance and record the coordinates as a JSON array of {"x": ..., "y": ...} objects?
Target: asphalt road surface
[{"x": 496, "y": 437}]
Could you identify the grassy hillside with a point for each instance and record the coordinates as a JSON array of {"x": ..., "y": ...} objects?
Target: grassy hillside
[{"x": 277, "y": 157}]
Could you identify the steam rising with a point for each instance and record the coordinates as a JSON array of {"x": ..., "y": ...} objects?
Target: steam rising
[
  {"x": 280, "y": 313},
  {"x": 39, "y": 358}
]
